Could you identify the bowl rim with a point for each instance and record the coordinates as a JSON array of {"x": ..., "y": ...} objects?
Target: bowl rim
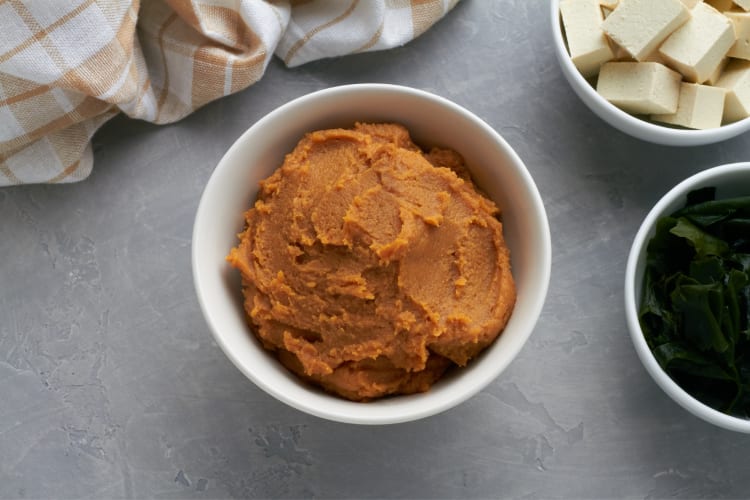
[
  {"x": 394, "y": 412},
  {"x": 624, "y": 121},
  {"x": 640, "y": 242}
]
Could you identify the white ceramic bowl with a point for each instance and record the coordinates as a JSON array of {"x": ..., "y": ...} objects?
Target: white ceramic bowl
[
  {"x": 432, "y": 120},
  {"x": 729, "y": 180},
  {"x": 641, "y": 129}
]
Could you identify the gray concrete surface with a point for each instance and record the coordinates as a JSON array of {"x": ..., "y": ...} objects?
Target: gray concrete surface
[{"x": 112, "y": 387}]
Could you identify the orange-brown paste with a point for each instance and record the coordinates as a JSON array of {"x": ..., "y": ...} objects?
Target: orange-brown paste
[{"x": 371, "y": 267}]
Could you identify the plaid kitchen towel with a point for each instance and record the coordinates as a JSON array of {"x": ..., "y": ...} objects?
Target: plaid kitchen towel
[{"x": 68, "y": 66}]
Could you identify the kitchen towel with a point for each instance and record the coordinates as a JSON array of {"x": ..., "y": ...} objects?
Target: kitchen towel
[{"x": 68, "y": 66}]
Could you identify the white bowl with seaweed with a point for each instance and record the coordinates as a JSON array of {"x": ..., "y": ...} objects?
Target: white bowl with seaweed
[{"x": 687, "y": 295}]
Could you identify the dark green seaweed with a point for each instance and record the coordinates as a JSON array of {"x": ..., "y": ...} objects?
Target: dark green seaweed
[{"x": 695, "y": 305}]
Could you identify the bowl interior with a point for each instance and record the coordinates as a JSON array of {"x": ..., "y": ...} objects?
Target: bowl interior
[
  {"x": 730, "y": 181},
  {"x": 232, "y": 188},
  {"x": 623, "y": 121}
]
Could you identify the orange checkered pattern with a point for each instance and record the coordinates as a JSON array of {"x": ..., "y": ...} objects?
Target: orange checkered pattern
[{"x": 68, "y": 66}]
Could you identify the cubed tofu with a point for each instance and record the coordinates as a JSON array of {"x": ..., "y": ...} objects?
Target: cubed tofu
[
  {"x": 621, "y": 54},
  {"x": 736, "y": 80},
  {"x": 588, "y": 46},
  {"x": 640, "y": 87},
  {"x": 699, "y": 107},
  {"x": 698, "y": 46},
  {"x": 691, "y": 3},
  {"x": 655, "y": 57},
  {"x": 640, "y": 26},
  {"x": 721, "y": 5},
  {"x": 741, "y": 22},
  {"x": 745, "y": 4},
  {"x": 717, "y": 72}
]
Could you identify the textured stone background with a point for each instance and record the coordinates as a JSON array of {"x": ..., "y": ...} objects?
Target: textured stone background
[{"x": 111, "y": 385}]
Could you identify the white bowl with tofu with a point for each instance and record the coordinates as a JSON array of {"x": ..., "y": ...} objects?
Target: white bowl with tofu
[{"x": 641, "y": 77}]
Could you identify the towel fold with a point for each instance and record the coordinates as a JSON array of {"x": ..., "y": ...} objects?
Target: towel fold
[{"x": 68, "y": 66}]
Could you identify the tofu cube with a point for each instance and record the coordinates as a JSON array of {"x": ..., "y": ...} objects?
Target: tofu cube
[
  {"x": 655, "y": 57},
  {"x": 745, "y": 4},
  {"x": 699, "y": 107},
  {"x": 691, "y": 3},
  {"x": 588, "y": 46},
  {"x": 640, "y": 87},
  {"x": 698, "y": 46},
  {"x": 640, "y": 26},
  {"x": 621, "y": 54},
  {"x": 717, "y": 72},
  {"x": 721, "y": 5},
  {"x": 741, "y": 22},
  {"x": 736, "y": 81}
]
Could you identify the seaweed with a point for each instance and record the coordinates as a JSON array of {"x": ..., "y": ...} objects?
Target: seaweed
[{"x": 695, "y": 305}]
